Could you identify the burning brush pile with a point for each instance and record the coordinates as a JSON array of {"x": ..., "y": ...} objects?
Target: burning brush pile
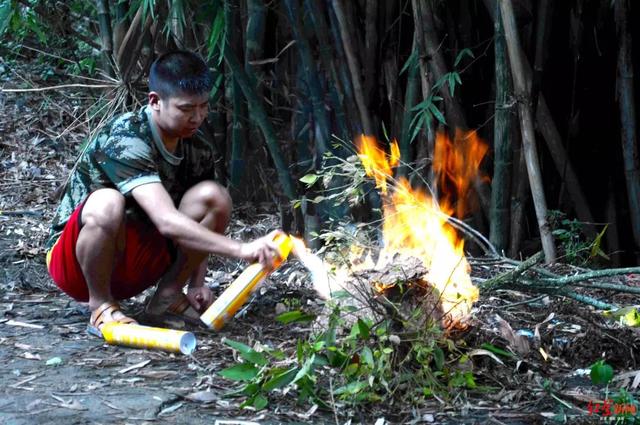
[{"x": 421, "y": 266}]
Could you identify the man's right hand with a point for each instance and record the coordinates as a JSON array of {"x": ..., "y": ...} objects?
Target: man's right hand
[{"x": 264, "y": 250}]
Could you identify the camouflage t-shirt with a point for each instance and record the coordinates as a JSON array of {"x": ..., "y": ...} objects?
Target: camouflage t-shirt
[{"x": 126, "y": 153}]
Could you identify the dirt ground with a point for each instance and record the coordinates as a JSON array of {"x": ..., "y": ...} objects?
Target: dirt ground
[{"x": 52, "y": 371}]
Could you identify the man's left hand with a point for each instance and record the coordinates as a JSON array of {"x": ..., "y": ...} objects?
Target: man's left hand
[{"x": 200, "y": 297}]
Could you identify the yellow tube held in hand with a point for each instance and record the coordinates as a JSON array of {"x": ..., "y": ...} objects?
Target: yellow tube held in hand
[
  {"x": 139, "y": 336},
  {"x": 228, "y": 303}
]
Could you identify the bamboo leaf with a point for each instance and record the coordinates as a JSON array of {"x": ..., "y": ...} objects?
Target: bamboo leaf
[
  {"x": 436, "y": 113},
  {"x": 240, "y": 372},
  {"x": 462, "y": 54},
  {"x": 595, "y": 246},
  {"x": 452, "y": 83},
  {"x": 216, "y": 36},
  {"x": 411, "y": 61}
]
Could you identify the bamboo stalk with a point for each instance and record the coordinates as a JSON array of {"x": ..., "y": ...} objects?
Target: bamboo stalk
[
  {"x": 342, "y": 69},
  {"x": 502, "y": 149},
  {"x": 106, "y": 38},
  {"x": 551, "y": 135},
  {"x": 528, "y": 135},
  {"x": 410, "y": 98},
  {"x": 354, "y": 67},
  {"x": 425, "y": 148},
  {"x": 259, "y": 115},
  {"x": 435, "y": 59},
  {"x": 121, "y": 23},
  {"x": 311, "y": 76},
  {"x": 518, "y": 203},
  {"x": 370, "y": 47},
  {"x": 239, "y": 109},
  {"x": 325, "y": 49},
  {"x": 626, "y": 103}
]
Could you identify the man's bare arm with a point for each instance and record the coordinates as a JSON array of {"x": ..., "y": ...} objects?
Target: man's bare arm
[{"x": 172, "y": 224}]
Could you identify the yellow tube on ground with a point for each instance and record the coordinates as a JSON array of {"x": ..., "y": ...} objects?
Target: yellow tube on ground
[
  {"x": 228, "y": 303},
  {"x": 139, "y": 336}
]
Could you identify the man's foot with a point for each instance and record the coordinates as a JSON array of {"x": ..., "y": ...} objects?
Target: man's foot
[
  {"x": 175, "y": 306},
  {"x": 107, "y": 312}
]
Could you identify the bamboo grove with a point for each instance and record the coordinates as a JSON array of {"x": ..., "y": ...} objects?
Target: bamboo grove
[{"x": 298, "y": 80}]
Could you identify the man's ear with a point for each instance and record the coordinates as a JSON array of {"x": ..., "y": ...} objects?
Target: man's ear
[{"x": 154, "y": 100}]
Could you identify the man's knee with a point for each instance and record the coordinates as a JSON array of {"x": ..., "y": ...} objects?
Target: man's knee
[
  {"x": 210, "y": 195},
  {"x": 104, "y": 208}
]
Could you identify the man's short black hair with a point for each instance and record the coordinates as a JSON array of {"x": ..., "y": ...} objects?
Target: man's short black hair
[{"x": 179, "y": 72}]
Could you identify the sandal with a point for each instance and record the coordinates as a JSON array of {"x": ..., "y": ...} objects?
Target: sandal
[
  {"x": 179, "y": 308},
  {"x": 100, "y": 314}
]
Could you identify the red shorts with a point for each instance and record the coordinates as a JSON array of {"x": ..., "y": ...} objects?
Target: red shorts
[{"x": 146, "y": 257}]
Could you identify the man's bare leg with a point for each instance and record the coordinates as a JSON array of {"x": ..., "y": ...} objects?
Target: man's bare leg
[
  {"x": 100, "y": 242},
  {"x": 209, "y": 204}
]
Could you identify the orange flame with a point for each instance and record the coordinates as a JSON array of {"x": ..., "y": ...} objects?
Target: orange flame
[
  {"x": 416, "y": 225},
  {"x": 457, "y": 162}
]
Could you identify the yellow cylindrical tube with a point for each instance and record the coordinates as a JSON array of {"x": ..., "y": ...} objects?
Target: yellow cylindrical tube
[
  {"x": 228, "y": 303},
  {"x": 149, "y": 337}
]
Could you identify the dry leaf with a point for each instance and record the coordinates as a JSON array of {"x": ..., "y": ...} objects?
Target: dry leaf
[
  {"x": 519, "y": 343},
  {"x": 202, "y": 397},
  {"x": 481, "y": 352}
]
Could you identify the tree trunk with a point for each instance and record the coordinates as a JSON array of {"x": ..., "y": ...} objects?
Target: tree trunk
[
  {"x": 626, "y": 103},
  {"x": 354, "y": 67},
  {"x": 502, "y": 149},
  {"x": 528, "y": 135}
]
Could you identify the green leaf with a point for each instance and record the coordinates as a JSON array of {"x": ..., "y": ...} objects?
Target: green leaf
[
  {"x": 280, "y": 380},
  {"x": 216, "y": 37},
  {"x": 366, "y": 355},
  {"x": 436, "y": 113},
  {"x": 496, "y": 350},
  {"x": 294, "y": 316},
  {"x": 363, "y": 329},
  {"x": 6, "y": 13},
  {"x": 305, "y": 369},
  {"x": 309, "y": 179},
  {"x": 452, "y": 83},
  {"x": 438, "y": 358},
  {"x": 247, "y": 352},
  {"x": 351, "y": 388},
  {"x": 601, "y": 373},
  {"x": 462, "y": 54},
  {"x": 260, "y": 402},
  {"x": 240, "y": 372},
  {"x": 411, "y": 61}
]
